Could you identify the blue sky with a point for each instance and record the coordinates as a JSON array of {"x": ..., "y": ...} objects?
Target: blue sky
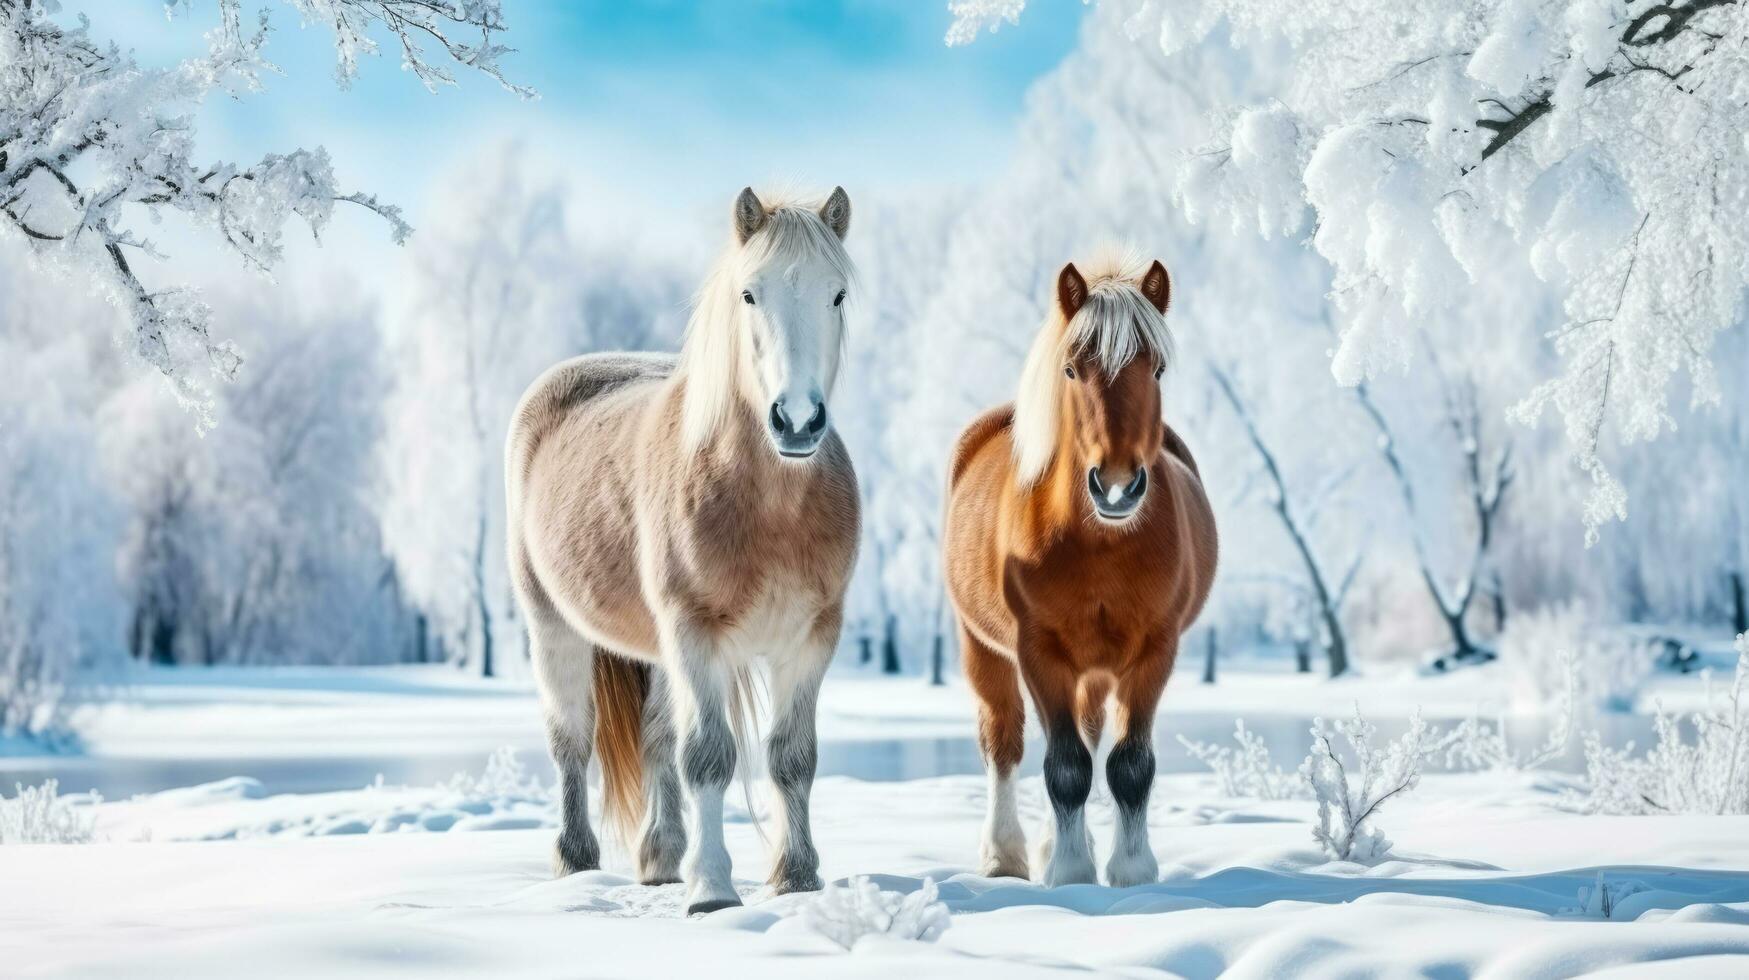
[{"x": 664, "y": 102}]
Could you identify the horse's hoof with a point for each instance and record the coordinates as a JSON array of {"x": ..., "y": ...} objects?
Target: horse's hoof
[
  {"x": 1005, "y": 871},
  {"x": 710, "y": 905},
  {"x": 797, "y": 883},
  {"x": 660, "y": 880}
]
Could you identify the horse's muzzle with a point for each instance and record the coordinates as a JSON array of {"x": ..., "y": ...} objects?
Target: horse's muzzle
[
  {"x": 1121, "y": 505},
  {"x": 796, "y": 441}
]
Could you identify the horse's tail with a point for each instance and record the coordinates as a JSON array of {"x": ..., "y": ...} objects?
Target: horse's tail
[
  {"x": 743, "y": 711},
  {"x": 621, "y": 687}
]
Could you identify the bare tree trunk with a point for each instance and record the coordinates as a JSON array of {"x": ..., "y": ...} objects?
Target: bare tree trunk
[
  {"x": 938, "y": 660},
  {"x": 1208, "y": 664},
  {"x": 482, "y": 606},
  {"x": 1302, "y": 657},
  {"x": 890, "y": 647},
  {"x": 865, "y": 649},
  {"x": 1335, "y": 643},
  {"x": 1739, "y": 604}
]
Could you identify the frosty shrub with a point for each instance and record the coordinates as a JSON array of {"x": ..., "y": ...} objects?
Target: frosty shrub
[
  {"x": 1245, "y": 770},
  {"x": 39, "y": 815},
  {"x": 1542, "y": 647},
  {"x": 1478, "y": 745},
  {"x": 505, "y": 777},
  {"x": 846, "y": 913},
  {"x": 1707, "y": 775},
  {"x": 1350, "y": 793}
]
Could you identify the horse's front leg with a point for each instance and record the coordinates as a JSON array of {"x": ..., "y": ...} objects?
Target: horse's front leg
[
  {"x": 792, "y": 753},
  {"x": 1052, "y": 681},
  {"x": 1129, "y": 770},
  {"x": 699, "y": 680}
]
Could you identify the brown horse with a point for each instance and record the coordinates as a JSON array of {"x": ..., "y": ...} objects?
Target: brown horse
[{"x": 1079, "y": 546}]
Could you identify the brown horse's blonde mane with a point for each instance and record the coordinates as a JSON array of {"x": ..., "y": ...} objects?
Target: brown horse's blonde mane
[{"x": 1115, "y": 325}]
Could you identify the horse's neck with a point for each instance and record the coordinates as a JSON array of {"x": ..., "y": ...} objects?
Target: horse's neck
[{"x": 1051, "y": 503}]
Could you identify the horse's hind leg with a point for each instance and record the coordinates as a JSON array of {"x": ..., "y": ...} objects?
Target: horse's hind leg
[
  {"x": 792, "y": 753},
  {"x": 1002, "y": 741},
  {"x": 662, "y": 838},
  {"x": 1129, "y": 770},
  {"x": 562, "y": 670}
]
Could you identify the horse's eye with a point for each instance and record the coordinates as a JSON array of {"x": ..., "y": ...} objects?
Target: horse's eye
[
  {"x": 1069, "y": 371},
  {"x": 1159, "y": 371},
  {"x": 747, "y": 296},
  {"x": 838, "y": 300}
]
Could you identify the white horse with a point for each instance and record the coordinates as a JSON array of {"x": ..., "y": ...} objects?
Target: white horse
[{"x": 671, "y": 520}]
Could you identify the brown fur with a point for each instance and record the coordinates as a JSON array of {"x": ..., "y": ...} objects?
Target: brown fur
[{"x": 1049, "y": 595}]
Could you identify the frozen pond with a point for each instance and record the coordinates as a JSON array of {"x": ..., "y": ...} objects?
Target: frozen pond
[{"x": 868, "y": 759}]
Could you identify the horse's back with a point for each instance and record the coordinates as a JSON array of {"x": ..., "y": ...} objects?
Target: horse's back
[
  {"x": 570, "y": 471},
  {"x": 975, "y": 436},
  {"x": 576, "y": 382},
  {"x": 977, "y": 474}
]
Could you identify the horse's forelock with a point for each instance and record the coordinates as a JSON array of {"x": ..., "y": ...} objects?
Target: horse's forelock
[
  {"x": 793, "y": 234},
  {"x": 1115, "y": 325}
]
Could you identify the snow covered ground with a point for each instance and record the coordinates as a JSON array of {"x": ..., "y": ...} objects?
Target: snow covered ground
[{"x": 1490, "y": 873}]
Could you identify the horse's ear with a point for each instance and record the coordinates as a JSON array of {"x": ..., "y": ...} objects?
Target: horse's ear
[
  {"x": 1157, "y": 286},
  {"x": 836, "y": 212},
  {"x": 1071, "y": 291},
  {"x": 750, "y": 215}
]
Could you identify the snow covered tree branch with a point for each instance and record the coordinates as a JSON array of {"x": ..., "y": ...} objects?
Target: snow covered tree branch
[
  {"x": 90, "y": 139},
  {"x": 1598, "y": 143}
]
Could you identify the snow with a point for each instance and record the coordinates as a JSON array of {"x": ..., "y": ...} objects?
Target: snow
[
  {"x": 1493, "y": 873},
  {"x": 1487, "y": 875}
]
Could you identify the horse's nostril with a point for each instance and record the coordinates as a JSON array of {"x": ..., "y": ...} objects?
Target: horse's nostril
[
  {"x": 1137, "y": 485},
  {"x": 779, "y": 423},
  {"x": 817, "y": 421},
  {"x": 1094, "y": 486}
]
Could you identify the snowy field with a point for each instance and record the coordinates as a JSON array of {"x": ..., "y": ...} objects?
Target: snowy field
[{"x": 1491, "y": 873}]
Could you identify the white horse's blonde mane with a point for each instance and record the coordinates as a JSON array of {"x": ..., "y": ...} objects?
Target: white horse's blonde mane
[
  {"x": 1115, "y": 324},
  {"x": 711, "y": 357}
]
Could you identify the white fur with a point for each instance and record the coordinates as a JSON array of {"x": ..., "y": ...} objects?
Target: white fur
[
  {"x": 1066, "y": 850},
  {"x": 1004, "y": 844},
  {"x": 1116, "y": 324},
  {"x": 1132, "y": 858}
]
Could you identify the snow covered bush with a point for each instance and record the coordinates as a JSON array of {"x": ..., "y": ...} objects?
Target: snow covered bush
[
  {"x": 90, "y": 140},
  {"x": 1478, "y": 745},
  {"x": 846, "y": 913},
  {"x": 504, "y": 776},
  {"x": 1548, "y": 650},
  {"x": 40, "y": 815},
  {"x": 1245, "y": 770},
  {"x": 1709, "y": 774},
  {"x": 1433, "y": 145},
  {"x": 1349, "y": 799}
]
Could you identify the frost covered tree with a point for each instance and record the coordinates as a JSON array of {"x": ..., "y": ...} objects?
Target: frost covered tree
[
  {"x": 1605, "y": 137},
  {"x": 257, "y": 543},
  {"x": 92, "y": 143},
  {"x": 1485, "y": 474},
  {"x": 1297, "y": 509},
  {"x": 502, "y": 288}
]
